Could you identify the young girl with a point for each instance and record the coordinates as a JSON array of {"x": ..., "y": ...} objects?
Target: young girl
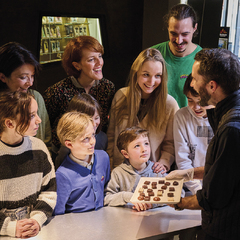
[
  {"x": 145, "y": 103},
  {"x": 27, "y": 176},
  {"x": 87, "y": 104},
  {"x": 18, "y": 68}
]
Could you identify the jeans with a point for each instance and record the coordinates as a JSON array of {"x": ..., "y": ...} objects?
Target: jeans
[{"x": 17, "y": 213}]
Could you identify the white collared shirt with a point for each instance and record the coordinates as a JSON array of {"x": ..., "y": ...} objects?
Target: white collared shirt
[{"x": 83, "y": 163}]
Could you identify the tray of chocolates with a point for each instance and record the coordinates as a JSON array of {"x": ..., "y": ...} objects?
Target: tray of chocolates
[{"x": 158, "y": 190}]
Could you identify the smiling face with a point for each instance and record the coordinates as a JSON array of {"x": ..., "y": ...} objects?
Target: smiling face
[
  {"x": 149, "y": 77},
  {"x": 83, "y": 146},
  {"x": 20, "y": 79},
  {"x": 35, "y": 120},
  {"x": 180, "y": 36},
  {"x": 194, "y": 104},
  {"x": 90, "y": 65},
  {"x": 138, "y": 151}
]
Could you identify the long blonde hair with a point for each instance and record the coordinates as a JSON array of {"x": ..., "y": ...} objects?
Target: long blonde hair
[{"x": 155, "y": 105}]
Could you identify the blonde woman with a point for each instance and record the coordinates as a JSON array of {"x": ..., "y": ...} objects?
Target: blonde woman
[{"x": 145, "y": 103}]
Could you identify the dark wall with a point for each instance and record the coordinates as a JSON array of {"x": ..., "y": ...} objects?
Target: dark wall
[
  {"x": 208, "y": 11},
  {"x": 154, "y": 29},
  {"x": 20, "y": 22},
  {"x": 131, "y": 25}
]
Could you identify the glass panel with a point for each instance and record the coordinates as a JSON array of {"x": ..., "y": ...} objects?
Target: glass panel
[
  {"x": 224, "y": 13},
  {"x": 231, "y": 21},
  {"x": 56, "y": 32}
]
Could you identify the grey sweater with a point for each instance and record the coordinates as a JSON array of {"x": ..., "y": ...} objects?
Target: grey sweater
[{"x": 123, "y": 182}]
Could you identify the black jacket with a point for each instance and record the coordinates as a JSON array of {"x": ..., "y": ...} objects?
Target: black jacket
[{"x": 220, "y": 195}]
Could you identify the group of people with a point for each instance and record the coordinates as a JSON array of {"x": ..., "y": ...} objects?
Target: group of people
[{"x": 81, "y": 146}]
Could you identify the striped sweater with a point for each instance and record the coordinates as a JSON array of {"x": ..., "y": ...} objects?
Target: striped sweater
[{"x": 27, "y": 177}]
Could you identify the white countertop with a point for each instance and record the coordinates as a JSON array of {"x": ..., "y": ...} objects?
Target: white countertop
[{"x": 118, "y": 223}]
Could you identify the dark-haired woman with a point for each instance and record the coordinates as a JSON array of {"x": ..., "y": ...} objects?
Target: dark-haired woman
[{"x": 18, "y": 68}]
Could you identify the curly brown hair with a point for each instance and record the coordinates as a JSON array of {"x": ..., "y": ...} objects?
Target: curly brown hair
[{"x": 73, "y": 52}]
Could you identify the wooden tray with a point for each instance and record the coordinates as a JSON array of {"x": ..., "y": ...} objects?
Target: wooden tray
[{"x": 173, "y": 187}]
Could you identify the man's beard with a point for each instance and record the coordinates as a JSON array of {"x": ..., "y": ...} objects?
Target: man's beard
[
  {"x": 204, "y": 95},
  {"x": 179, "y": 51}
]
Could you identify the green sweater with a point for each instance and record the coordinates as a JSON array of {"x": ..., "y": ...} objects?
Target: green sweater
[{"x": 178, "y": 69}]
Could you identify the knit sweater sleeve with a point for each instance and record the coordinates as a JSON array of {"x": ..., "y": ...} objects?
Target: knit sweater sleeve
[
  {"x": 182, "y": 145},
  {"x": 219, "y": 172},
  {"x": 8, "y": 227},
  {"x": 27, "y": 179},
  {"x": 113, "y": 132},
  {"x": 47, "y": 197},
  {"x": 181, "y": 140},
  {"x": 114, "y": 196},
  {"x": 167, "y": 146}
]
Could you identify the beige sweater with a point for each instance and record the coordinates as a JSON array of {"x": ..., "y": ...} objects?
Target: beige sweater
[{"x": 162, "y": 144}]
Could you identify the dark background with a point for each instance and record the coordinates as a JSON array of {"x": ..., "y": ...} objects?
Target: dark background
[{"x": 129, "y": 27}]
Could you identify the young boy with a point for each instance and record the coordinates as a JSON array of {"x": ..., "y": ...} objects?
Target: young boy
[
  {"x": 84, "y": 173},
  {"x": 192, "y": 134},
  {"x": 134, "y": 145}
]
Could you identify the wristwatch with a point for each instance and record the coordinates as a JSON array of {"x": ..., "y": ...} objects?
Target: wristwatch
[{"x": 177, "y": 207}]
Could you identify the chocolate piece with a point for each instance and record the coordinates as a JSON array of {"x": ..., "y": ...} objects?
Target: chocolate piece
[
  {"x": 172, "y": 189},
  {"x": 171, "y": 199},
  {"x": 142, "y": 194},
  {"x": 164, "y": 187},
  {"x": 170, "y": 195},
  {"x": 145, "y": 186},
  {"x": 167, "y": 183},
  {"x": 154, "y": 183},
  {"x": 175, "y": 183},
  {"x": 154, "y": 186},
  {"x": 140, "y": 198},
  {"x": 147, "y": 182},
  {"x": 151, "y": 194},
  {"x": 140, "y": 190},
  {"x": 156, "y": 199},
  {"x": 149, "y": 190},
  {"x": 147, "y": 198},
  {"x": 161, "y": 181}
]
